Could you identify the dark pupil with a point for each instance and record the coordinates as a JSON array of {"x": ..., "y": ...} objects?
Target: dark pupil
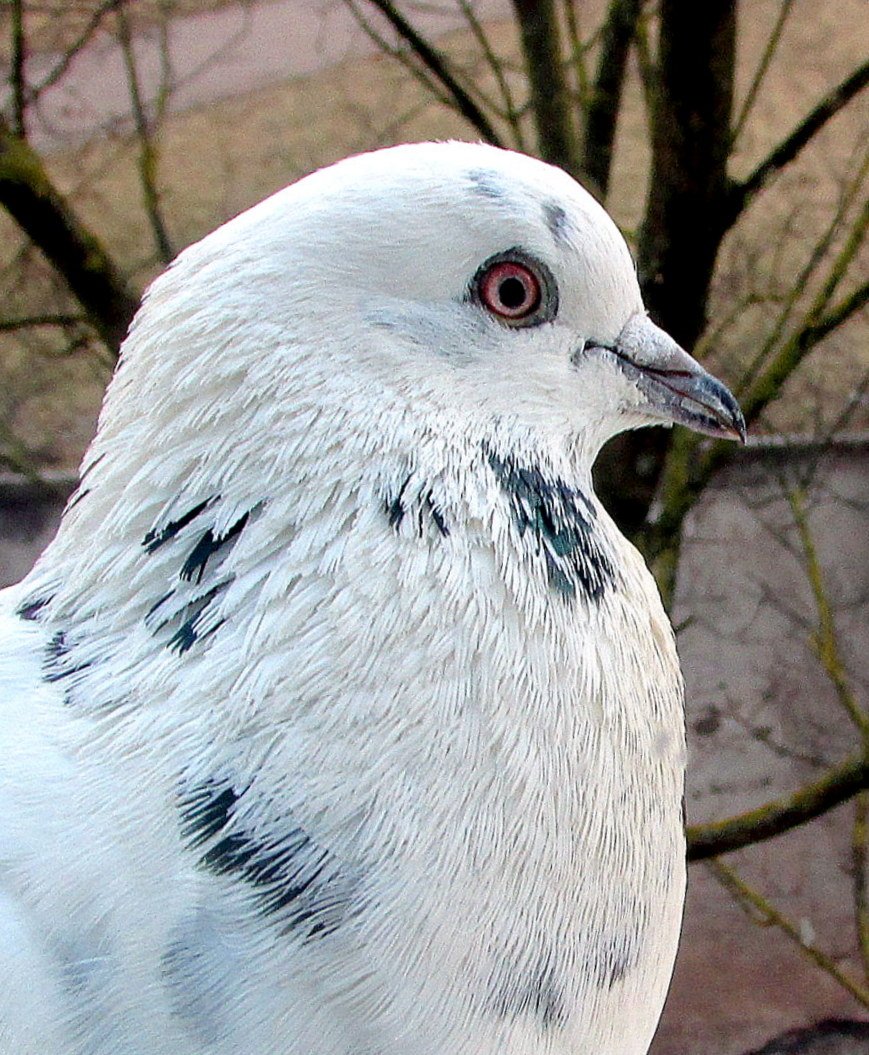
[{"x": 512, "y": 293}]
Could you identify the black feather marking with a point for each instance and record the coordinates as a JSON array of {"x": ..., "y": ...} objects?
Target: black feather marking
[
  {"x": 436, "y": 515},
  {"x": 205, "y": 811},
  {"x": 158, "y": 604},
  {"x": 539, "y": 995},
  {"x": 31, "y": 609},
  {"x": 562, "y": 521},
  {"x": 57, "y": 663},
  {"x": 286, "y": 872},
  {"x": 156, "y": 537},
  {"x": 397, "y": 507},
  {"x": 85, "y": 473},
  {"x": 615, "y": 958},
  {"x": 194, "y": 567},
  {"x": 77, "y": 496},
  {"x": 188, "y": 633}
]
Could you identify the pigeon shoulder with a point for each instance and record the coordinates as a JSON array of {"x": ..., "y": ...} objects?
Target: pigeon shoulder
[{"x": 88, "y": 886}]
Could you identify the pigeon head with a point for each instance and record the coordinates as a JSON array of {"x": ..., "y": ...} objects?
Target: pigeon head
[{"x": 449, "y": 279}]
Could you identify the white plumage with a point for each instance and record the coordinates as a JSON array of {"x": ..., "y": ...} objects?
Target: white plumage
[{"x": 339, "y": 718}]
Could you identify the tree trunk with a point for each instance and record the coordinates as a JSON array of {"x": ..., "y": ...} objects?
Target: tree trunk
[
  {"x": 686, "y": 216},
  {"x": 553, "y": 110},
  {"x": 77, "y": 255}
]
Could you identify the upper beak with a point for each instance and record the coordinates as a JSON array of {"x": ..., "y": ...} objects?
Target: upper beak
[{"x": 676, "y": 386}]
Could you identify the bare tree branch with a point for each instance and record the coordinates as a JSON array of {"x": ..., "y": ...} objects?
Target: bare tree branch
[
  {"x": 147, "y": 146},
  {"x": 11, "y": 325},
  {"x": 93, "y": 24},
  {"x": 510, "y": 111},
  {"x": 762, "y": 68},
  {"x": 859, "y": 840},
  {"x": 437, "y": 64},
  {"x": 576, "y": 52},
  {"x": 774, "y": 818},
  {"x": 770, "y": 916},
  {"x": 401, "y": 56},
  {"x": 818, "y": 322},
  {"x": 29, "y": 196},
  {"x": 605, "y": 102},
  {"x": 557, "y": 139},
  {"x": 802, "y": 279},
  {"x": 688, "y": 470},
  {"x": 742, "y": 193},
  {"x": 824, "y": 639},
  {"x": 16, "y": 73}
]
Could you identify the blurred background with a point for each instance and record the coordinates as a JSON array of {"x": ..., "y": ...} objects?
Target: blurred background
[{"x": 730, "y": 141}]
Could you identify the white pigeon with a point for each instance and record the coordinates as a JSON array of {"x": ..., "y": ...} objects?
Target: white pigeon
[{"x": 339, "y": 718}]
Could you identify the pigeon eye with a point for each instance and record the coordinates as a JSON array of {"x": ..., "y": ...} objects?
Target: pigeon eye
[
  {"x": 516, "y": 290},
  {"x": 510, "y": 290}
]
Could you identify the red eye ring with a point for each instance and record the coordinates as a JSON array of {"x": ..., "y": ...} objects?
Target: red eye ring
[{"x": 510, "y": 290}]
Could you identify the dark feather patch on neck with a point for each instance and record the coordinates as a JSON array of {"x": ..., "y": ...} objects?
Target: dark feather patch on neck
[{"x": 562, "y": 521}]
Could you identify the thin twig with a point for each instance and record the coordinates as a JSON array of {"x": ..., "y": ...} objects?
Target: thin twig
[
  {"x": 859, "y": 839},
  {"x": 762, "y": 68},
  {"x": 577, "y": 52},
  {"x": 826, "y": 646},
  {"x": 438, "y": 65},
  {"x": 93, "y": 24},
  {"x": 77, "y": 255},
  {"x": 604, "y": 104},
  {"x": 495, "y": 64},
  {"x": 770, "y": 916},
  {"x": 818, "y": 321},
  {"x": 11, "y": 325},
  {"x": 17, "y": 73},
  {"x": 147, "y": 147},
  {"x": 825, "y": 640},
  {"x": 551, "y": 104},
  {"x": 646, "y": 63},
  {"x": 800, "y": 281},
  {"x": 774, "y": 818},
  {"x": 400, "y": 56},
  {"x": 793, "y": 143}
]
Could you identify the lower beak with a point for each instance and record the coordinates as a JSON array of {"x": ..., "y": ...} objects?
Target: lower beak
[{"x": 676, "y": 387}]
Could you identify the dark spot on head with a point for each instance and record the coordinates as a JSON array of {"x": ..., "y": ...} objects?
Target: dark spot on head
[
  {"x": 488, "y": 184},
  {"x": 556, "y": 219},
  {"x": 561, "y": 522}
]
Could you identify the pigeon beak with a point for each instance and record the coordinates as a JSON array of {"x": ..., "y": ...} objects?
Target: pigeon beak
[{"x": 676, "y": 386}]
